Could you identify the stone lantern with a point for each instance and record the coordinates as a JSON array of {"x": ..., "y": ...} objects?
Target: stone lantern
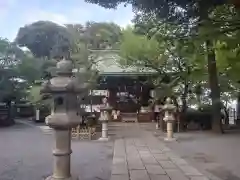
[
  {"x": 105, "y": 110},
  {"x": 63, "y": 88},
  {"x": 169, "y": 118}
]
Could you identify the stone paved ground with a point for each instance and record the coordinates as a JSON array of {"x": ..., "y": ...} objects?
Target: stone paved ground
[
  {"x": 216, "y": 154},
  {"x": 138, "y": 155},
  {"x": 25, "y": 154}
]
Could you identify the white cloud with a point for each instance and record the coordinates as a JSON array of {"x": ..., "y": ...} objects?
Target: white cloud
[
  {"x": 15, "y": 14},
  {"x": 45, "y": 16},
  {"x": 122, "y": 17}
]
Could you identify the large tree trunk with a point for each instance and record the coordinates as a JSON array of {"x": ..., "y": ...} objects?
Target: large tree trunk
[
  {"x": 184, "y": 96},
  {"x": 184, "y": 107},
  {"x": 238, "y": 110},
  {"x": 215, "y": 90}
]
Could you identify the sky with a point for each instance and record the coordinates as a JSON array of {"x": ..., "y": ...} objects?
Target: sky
[{"x": 17, "y": 13}]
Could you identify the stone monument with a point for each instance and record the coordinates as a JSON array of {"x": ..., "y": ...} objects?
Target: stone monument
[
  {"x": 64, "y": 89},
  {"x": 105, "y": 110},
  {"x": 169, "y": 118}
]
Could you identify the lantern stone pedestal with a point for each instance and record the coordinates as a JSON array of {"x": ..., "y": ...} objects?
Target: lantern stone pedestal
[
  {"x": 64, "y": 89},
  {"x": 37, "y": 114},
  {"x": 105, "y": 110},
  {"x": 157, "y": 125},
  {"x": 169, "y": 132},
  {"x": 104, "y": 131},
  {"x": 62, "y": 146},
  {"x": 169, "y": 109}
]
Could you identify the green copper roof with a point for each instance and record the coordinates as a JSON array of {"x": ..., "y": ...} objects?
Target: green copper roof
[{"x": 110, "y": 64}]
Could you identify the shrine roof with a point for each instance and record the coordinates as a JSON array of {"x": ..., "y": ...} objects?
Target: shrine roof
[{"x": 109, "y": 64}]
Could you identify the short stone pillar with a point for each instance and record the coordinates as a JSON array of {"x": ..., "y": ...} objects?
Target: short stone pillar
[
  {"x": 37, "y": 115},
  {"x": 105, "y": 110},
  {"x": 169, "y": 109},
  {"x": 157, "y": 124},
  {"x": 64, "y": 88}
]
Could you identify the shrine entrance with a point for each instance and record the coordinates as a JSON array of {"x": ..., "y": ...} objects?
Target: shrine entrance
[{"x": 128, "y": 93}]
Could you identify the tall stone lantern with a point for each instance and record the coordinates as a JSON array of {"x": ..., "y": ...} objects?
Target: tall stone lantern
[
  {"x": 64, "y": 89},
  {"x": 105, "y": 110},
  {"x": 169, "y": 118}
]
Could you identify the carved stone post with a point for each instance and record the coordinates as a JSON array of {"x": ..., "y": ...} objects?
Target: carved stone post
[
  {"x": 169, "y": 109},
  {"x": 64, "y": 89},
  {"x": 37, "y": 114},
  {"x": 105, "y": 110}
]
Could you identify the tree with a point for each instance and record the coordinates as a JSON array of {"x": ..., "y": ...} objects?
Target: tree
[
  {"x": 175, "y": 62},
  {"x": 45, "y": 39},
  {"x": 29, "y": 69},
  {"x": 98, "y": 35},
  {"x": 195, "y": 13},
  {"x": 11, "y": 87}
]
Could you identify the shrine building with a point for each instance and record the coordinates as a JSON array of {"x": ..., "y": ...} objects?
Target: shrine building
[{"x": 128, "y": 90}]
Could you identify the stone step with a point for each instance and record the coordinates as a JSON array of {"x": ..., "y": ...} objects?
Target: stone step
[{"x": 129, "y": 117}]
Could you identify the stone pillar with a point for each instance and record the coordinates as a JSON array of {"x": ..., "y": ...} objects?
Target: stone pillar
[
  {"x": 64, "y": 89},
  {"x": 157, "y": 124},
  {"x": 105, "y": 110},
  {"x": 61, "y": 152},
  {"x": 169, "y": 130},
  {"x": 37, "y": 114},
  {"x": 104, "y": 118},
  {"x": 104, "y": 129},
  {"x": 169, "y": 109}
]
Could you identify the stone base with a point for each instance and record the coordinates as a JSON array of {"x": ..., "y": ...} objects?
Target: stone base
[
  {"x": 104, "y": 139},
  {"x": 71, "y": 178},
  {"x": 169, "y": 139}
]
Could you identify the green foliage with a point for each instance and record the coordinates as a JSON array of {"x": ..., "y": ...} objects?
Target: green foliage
[
  {"x": 171, "y": 10},
  {"x": 138, "y": 50},
  {"x": 29, "y": 69},
  {"x": 45, "y": 39},
  {"x": 90, "y": 42}
]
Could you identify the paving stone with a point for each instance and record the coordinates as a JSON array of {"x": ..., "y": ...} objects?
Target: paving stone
[
  {"x": 176, "y": 174},
  {"x": 156, "y": 151},
  {"x": 119, "y": 170},
  {"x": 139, "y": 175},
  {"x": 179, "y": 161},
  {"x": 149, "y": 160},
  {"x": 155, "y": 169},
  {"x": 119, "y": 160},
  {"x": 199, "y": 178},
  {"x": 136, "y": 166},
  {"x": 158, "y": 177},
  {"x": 171, "y": 155},
  {"x": 161, "y": 157},
  {"x": 135, "y": 158},
  {"x": 131, "y": 152},
  {"x": 119, "y": 153},
  {"x": 142, "y": 148},
  {"x": 130, "y": 148},
  {"x": 144, "y": 153},
  {"x": 190, "y": 171},
  {"x": 165, "y": 149},
  {"x": 119, "y": 177},
  {"x": 140, "y": 143},
  {"x": 129, "y": 142},
  {"x": 167, "y": 164}
]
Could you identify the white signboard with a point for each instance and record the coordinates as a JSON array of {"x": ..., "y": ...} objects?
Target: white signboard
[
  {"x": 88, "y": 108},
  {"x": 99, "y": 93}
]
